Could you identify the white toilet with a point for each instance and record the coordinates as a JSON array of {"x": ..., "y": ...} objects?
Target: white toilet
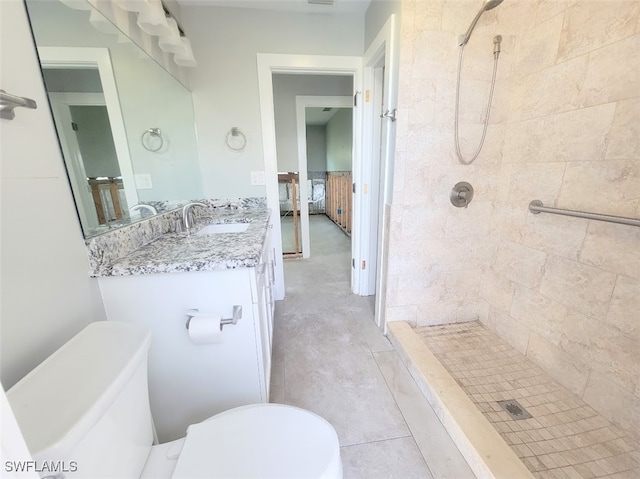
[{"x": 85, "y": 411}]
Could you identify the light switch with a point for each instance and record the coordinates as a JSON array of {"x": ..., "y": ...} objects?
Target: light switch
[
  {"x": 143, "y": 181},
  {"x": 257, "y": 178}
]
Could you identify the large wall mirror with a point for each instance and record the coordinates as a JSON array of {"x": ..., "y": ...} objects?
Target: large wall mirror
[{"x": 126, "y": 126}]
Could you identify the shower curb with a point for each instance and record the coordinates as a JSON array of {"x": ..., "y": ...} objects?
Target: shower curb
[{"x": 487, "y": 454}]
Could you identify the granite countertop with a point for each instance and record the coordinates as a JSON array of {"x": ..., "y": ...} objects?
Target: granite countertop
[{"x": 181, "y": 252}]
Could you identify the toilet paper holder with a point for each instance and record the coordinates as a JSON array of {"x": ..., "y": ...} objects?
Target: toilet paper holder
[{"x": 237, "y": 315}]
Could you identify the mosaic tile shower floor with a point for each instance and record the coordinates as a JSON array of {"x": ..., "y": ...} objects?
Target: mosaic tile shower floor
[{"x": 565, "y": 438}]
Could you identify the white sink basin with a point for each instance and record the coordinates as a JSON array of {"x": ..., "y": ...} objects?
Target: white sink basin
[{"x": 223, "y": 228}]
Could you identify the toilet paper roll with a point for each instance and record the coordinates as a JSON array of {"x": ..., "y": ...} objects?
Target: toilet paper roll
[{"x": 205, "y": 329}]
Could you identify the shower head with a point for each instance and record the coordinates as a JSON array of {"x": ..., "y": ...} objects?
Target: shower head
[{"x": 487, "y": 5}]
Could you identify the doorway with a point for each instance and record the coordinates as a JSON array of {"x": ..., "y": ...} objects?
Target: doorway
[
  {"x": 326, "y": 68},
  {"x": 324, "y": 126},
  {"x": 363, "y": 256}
]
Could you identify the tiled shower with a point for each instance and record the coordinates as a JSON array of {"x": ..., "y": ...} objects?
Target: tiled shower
[{"x": 564, "y": 129}]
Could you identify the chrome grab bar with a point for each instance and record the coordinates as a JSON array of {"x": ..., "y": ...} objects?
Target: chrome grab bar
[
  {"x": 8, "y": 102},
  {"x": 537, "y": 207}
]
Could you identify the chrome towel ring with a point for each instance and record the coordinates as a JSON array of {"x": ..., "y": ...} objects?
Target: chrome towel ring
[
  {"x": 235, "y": 139},
  {"x": 152, "y": 139}
]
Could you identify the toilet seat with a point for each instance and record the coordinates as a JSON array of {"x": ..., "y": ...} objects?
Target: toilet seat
[{"x": 261, "y": 441}]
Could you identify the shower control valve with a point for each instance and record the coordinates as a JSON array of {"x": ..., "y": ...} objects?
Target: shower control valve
[{"x": 461, "y": 194}]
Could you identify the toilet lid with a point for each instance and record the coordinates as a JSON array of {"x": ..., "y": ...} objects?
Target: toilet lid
[{"x": 260, "y": 441}]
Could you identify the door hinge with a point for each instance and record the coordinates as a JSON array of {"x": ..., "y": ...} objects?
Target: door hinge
[
  {"x": 74, "y": 126},
  {"x": 353, "y": 263},
  {"x": 355, "y": 99},
  {"x": 354, "y": 187},
  {"x": 364, "y": 264}
]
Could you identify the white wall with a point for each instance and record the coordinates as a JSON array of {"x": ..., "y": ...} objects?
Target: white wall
[
  {"x": 94, "y": 137},
  {"x": 225, "y": 84},
  {"x": 340, "y": 140},
  {"x": 149, "y": 98},
  {"x": 45, "y": 290},
  {"x": 377, "y": 14},
  {"x": 285, "y": 90},
  {"x": 160, "y": 102}
]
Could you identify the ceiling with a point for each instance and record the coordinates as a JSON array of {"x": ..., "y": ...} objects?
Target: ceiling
[
  {"x": 318, "y": 116},
  {"x": 339, "y": 7}
]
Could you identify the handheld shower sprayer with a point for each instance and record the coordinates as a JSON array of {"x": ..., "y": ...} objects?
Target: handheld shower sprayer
[
  {"x": 486, "y": 6},
  {"x": 462, "y": 41}
]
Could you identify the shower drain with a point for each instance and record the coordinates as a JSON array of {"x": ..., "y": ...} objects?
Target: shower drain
[{"x": 515, "y": 409}]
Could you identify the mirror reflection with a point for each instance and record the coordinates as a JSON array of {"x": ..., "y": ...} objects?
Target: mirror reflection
[{"x": 126, "y": 126}]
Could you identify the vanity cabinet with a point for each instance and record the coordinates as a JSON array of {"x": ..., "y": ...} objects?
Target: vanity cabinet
[{"x": 190, "y": 382}]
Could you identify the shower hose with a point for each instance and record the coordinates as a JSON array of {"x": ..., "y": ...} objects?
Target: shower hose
[{"x": 461, "y": 158}]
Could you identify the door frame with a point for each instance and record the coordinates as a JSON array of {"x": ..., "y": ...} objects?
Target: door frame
[
  {"x": 379, "y": 144},
  {"x": 268, "y": 64},
  {"x": 84, "y": 57},
  {"x": 302, "y": 102},
  {"x": 61, "y": 104}
]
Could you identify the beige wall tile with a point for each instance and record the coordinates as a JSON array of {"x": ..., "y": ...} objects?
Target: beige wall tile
[
  {"x": 613, "y": 402},
  {"x": 419, "y": 289},
  {"x": 420, "y": 222},
  {"x": 612, "y": 248},
  {"x": 522, "y": 141},
  {"x": 458, "y": 311},
  {"x": 608, "y": 187},
  {"x": 520, "y": 264},
  {"x": 402, "y": 313},
  {"x": 624, "y": 308},
  {"x": 541, "y": 315},
  {"x": 461, "y": 254},
  {"x": 432, "y": 145},
  {"x": 497, "y": 290},
  {"x": 613, "y": 73},
  {"x": 538, "y": 48},
  {"x": 581, "y": 287},
  {"x": 508, "y": 222},
  {"x": 549, "y": 121},
  {"x": 435, "y": 55},
  {"x": 457, "y": 15},
  {"x": 428, "y": 15},
  {"x": 405, "y": 92},
  {"x": 460, "y": 285},
  {"x": 516, "y": 17},
  {"x": 474, "y": 96},
  {"x": 568, "y": 371},
  {"x": 555, "y": 89},
  {"x": 535, "y": 181},
  {"x": 579, "y": 135},
  {"x": 604, "y": 348},
  {"x": 549, "y": 8},
  {"x": 624, "y": 138},
  {"x": 559, "y": 235},
  {"x": 423, "y": 103},
  {"x": 589, "y": 25},
  {"x": 473, "y": 221},
  {"x": 516, "y": 334}
]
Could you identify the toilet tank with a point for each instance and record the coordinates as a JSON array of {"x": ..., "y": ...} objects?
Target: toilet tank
[{"x": 84, "y": 411}]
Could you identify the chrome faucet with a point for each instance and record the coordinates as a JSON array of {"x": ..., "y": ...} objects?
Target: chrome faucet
[{"x": 186, "y": 210}]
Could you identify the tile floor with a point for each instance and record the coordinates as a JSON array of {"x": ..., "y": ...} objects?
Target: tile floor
[
  {"x": 565, "y": 438},
  {"x": 330, "y": 358}
]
